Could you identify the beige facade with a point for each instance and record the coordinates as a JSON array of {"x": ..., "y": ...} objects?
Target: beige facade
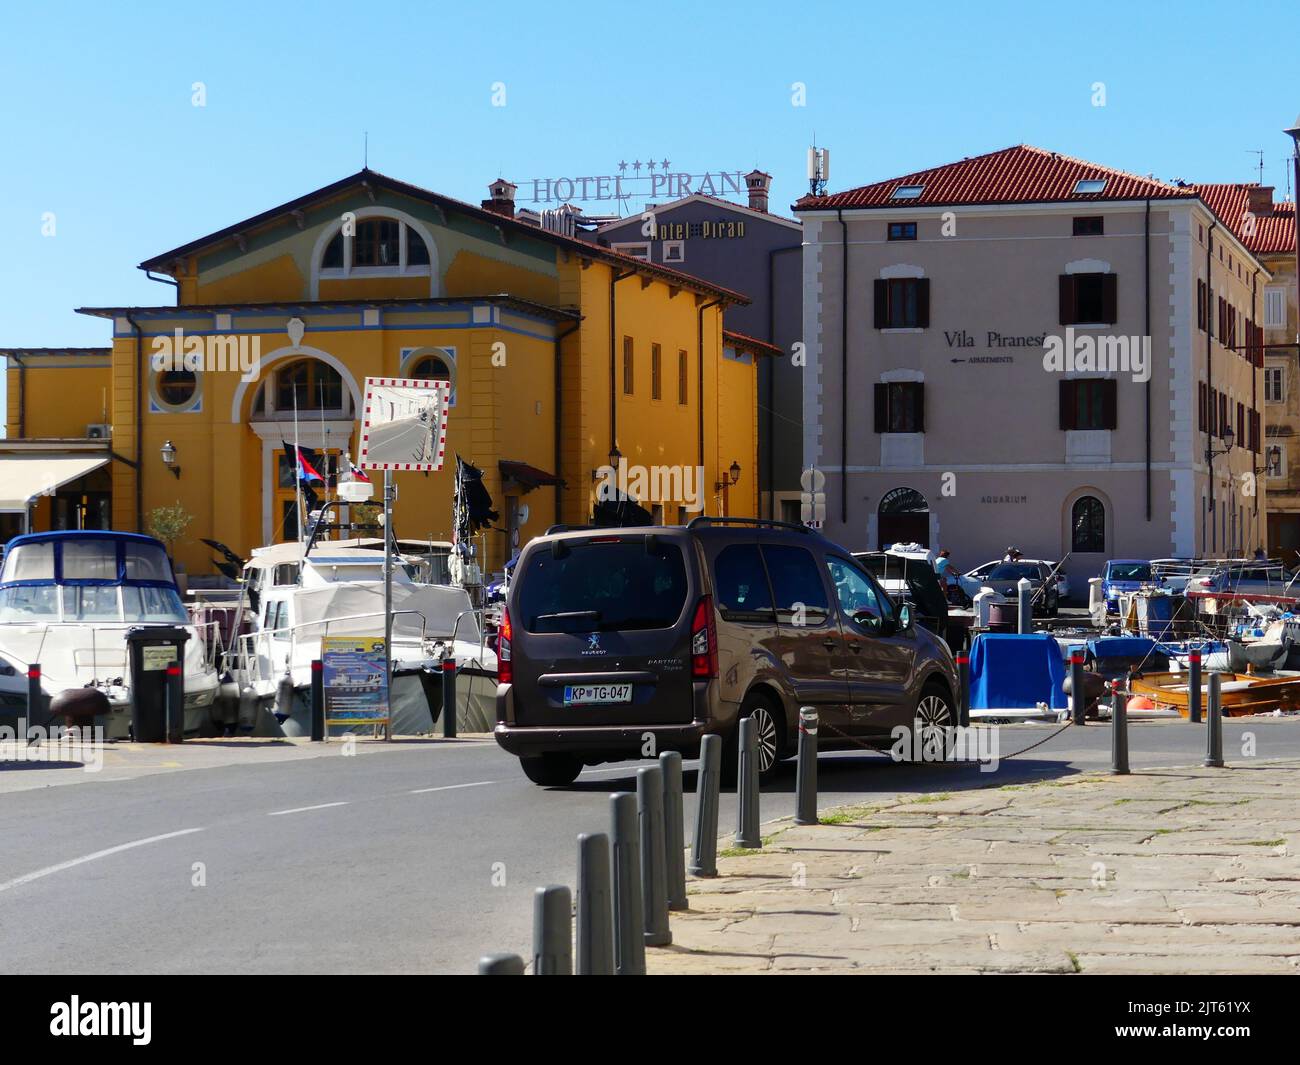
[
  {"x": 995, "y": 460},
  {"x": 1282, "y": 404}
]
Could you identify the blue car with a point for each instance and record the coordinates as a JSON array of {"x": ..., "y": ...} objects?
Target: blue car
[{"x": 1123, "y": 575}]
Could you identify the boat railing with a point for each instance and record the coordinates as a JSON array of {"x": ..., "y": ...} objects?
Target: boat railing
[
  {"x": 213, "y": 643},
  {"x": 247, "y": 659}
]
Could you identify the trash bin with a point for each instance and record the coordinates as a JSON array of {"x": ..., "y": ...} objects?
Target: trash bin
[{"x": 157, "y": 663}]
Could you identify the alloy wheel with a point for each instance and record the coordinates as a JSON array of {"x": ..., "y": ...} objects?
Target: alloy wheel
[{"x": 765, "y": 726}]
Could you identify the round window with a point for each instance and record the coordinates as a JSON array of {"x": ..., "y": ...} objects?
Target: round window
[{"x": 175, "y": 389}]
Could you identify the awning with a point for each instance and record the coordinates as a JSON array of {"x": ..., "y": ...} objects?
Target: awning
[
  {"x": 529, "y": 477},
  {"x": 24, "y": 478}
]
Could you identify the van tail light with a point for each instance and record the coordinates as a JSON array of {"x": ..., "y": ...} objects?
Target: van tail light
[
  {"x": 505, "y": 667},
  {"x": 704, "y": 640}
]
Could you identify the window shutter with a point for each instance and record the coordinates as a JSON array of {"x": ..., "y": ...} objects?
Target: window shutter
[
  {"x": 1067, "y": 405},
  {"x": 1069, "y": 312},
  {"x": 918, "y": 391},
  {"x": 882, "y": 305},
  {"x": 923, "y": 303},
  {"x": 1200, "y": 403},
  {"x": 1110, "y": 403},
  {"x": 1110, "y": 298},
  {"x": 1200, "y": 304},
  {"x": 882, "y": 405}
]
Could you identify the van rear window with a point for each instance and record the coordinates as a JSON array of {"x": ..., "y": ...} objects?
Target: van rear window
[{"x": 602, "y": 587}]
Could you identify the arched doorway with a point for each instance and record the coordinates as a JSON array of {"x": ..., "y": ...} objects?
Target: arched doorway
[{"x": 904, "y": 517}]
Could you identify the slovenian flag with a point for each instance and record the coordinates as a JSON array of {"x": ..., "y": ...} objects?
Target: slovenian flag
[{"x": 307, "y": 459}]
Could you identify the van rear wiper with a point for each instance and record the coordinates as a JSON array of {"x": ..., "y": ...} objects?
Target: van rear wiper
[{"x": 570, "y": 615}]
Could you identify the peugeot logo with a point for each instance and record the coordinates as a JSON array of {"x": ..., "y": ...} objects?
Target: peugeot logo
[{"x": 593, "y": 642}]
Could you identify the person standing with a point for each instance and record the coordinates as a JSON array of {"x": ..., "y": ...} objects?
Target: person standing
[{"x": 946, "y": 572}]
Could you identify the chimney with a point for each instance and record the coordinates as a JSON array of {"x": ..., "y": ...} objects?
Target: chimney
[
  {"x": 1261, "y": 199},
  {"x": 758, "y": 184},
  {"x": 503, "y": 198}
]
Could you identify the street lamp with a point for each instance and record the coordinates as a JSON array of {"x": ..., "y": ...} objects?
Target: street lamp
[
  {"x": 168, "y": 452},
  {"x": 1211, "y": 454},
  {"x": 730, "y": 481}
]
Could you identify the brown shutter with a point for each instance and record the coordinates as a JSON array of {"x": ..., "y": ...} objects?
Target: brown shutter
[
  {"x": 1067, "y": 404},
  {"x": 1109, "y": 403},
  {"x": 882, "y": 304},
  {"x": 1201, "y": 402},
  {"x": 882, "y": 407},
  {"x": 1069, "y": 312},
  {"x": 1214, "y": 412},
  {"x": 918, "y": 392},
  {"x": 1110, "y": 298},
  {"x": 923, "y": 303}
]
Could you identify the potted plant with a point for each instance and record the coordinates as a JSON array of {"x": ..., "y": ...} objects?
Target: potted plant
[{"x": 169, "y": 524}]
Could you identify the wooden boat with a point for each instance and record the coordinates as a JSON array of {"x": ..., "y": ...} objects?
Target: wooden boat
[{"x": 1240, "y": 693}]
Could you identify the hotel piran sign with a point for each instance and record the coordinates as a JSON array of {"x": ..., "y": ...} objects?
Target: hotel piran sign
[{"x": 657, "y": 181}]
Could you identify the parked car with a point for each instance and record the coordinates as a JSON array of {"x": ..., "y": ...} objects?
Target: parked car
[
  {"x": 1243, "y": 578},
  {"x": 611, "y": 638},
  {"x": 911, "y": 581},
  {"x": 1173, "y": 574},
  {"x": 973, "y": 580},
  {"x": 1005, "y": 579},
  {"x": 1123, "y": 575}
]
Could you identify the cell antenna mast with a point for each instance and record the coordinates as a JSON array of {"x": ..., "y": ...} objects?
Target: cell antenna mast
[
  {"x": 1259, "y": 152},
  {"x": 365, "y": 152}
]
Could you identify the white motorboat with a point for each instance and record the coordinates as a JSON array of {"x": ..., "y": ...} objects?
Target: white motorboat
[
  {"x": 67, "y": 601},
  {"x": 295, "y": 596}
]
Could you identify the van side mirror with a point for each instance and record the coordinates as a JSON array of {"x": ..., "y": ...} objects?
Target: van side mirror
[{"x": 904, "y": 618}]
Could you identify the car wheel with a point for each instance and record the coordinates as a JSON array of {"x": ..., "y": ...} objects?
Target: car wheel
[
  {"x": 771, "y": 738},
  {"x": 935, "y": 714},
  {"x": 551, "y": 770}
]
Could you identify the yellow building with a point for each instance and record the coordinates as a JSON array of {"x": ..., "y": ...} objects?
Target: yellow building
[{"x": 561, "y": 354}]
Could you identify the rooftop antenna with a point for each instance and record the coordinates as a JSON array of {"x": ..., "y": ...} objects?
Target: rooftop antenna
[
  {"x": 365, "y": 157},
  {"x": 1259, "y": 152},
  {"x": 819, "y": 169}
]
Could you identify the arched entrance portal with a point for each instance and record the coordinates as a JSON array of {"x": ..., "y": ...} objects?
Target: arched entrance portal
[{"x": 904, "y": 518}]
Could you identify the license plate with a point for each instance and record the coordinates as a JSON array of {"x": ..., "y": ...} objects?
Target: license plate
[{"x": 593, "y": 694}]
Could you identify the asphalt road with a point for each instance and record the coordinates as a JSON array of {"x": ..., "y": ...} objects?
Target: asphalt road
[{"x": 391, "y": 861}]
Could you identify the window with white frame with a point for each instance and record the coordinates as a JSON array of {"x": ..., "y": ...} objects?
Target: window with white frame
[
  {"x": 375, "y": 247},
  {"x": 1275, "y": 308},
  {"x": 1274, "y": 384},
  {"x": 639, "y": 250},
  {"x": 674, "y": 251},
  {"x": 1278, "y": 471}
]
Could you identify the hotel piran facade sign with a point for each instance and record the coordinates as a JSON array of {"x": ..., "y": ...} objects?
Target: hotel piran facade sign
[{"x": 657, "y": 181}]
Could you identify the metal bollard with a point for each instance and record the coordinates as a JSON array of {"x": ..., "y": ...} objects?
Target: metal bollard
[
  {"x": 747, "y": 787},
  {"x": 174, "y": 705},
  {"x": 805, "y": 809},
  {"x": 963, "y": 693},
  {"x": 317, "y": 700},
  {"x": 501, "y": 965},
  {"x": 1024, "y": 606},
  {"x": 1078, "y": 697},
  {"x": 654, "y": 877},
  {"x": 595, "y": 910},
  {"x": 1214, "y": 723},
  {"x": 1119, "y": 732},
  {"x": 629, "y": 917},
  {"x": 34, "y": 701},
  {"x": 670, "y": 762},
  {"x": 704, "y": 847},
  {"x": 1194, "y": 688},
  {"x": 449, "y": 697},
  {"x": 552, "y": 931}
]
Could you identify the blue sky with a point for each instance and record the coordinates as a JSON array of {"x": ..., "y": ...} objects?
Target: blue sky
[{"x": 97, "y": 125}]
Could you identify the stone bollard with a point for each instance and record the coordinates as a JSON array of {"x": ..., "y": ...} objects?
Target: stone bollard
[
  {"x": 654, "y": 879},
  {"x": 806, "y": 780},
  {"x": 595, "y": 909},
  {"x": 629, "y": 916},
  {"x": 747, "y": 834},
  {"x": 552, "y": 931},
  {"x": 704, "y": 847},
  {"x": 670, "y": 762}
]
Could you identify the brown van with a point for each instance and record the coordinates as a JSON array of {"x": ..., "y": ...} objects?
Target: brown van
[{"x": 622, "y": 643}]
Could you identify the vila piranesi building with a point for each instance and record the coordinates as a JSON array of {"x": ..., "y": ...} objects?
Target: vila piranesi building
[
  {"x": 563, "y": 358},
  {"x": 747, "y": 248},
  {"x": 1268, "y": 229},
  {"x": 1026, "y": 348}
]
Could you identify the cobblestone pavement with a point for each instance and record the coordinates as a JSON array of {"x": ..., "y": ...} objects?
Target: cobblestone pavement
[{"x": 1173, "y": 870}]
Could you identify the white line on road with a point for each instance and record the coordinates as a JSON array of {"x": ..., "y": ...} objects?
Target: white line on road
[
  {"x": 451, "y": 787},
  {"x": 304, "y": 809},
  {"x": 50, "y": 869}
]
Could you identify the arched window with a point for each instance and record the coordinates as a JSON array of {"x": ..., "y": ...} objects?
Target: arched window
[
  {"x": 431, "y": 368},
  {"x": 377, "y": 244},
  {"x": 1088, "y": 526},
  {"x": 904, "y": 518},
  {"x": 308, "y": 384}
]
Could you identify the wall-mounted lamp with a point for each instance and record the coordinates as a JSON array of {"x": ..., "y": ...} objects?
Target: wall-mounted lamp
[
  {"x": 614, "y": 458},
  {"x": 734, "y": 477},
  {"x": 168, "y": 452}
]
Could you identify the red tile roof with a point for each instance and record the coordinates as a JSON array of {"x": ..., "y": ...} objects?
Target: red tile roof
[
  {"x": 1262, "y": 233},
  {"x": 1020, "y": 174}
]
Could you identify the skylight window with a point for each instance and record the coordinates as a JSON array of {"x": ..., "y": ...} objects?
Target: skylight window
[
  {"x": 908, "y": 192},
  {"x": 1084, "y": 186}
]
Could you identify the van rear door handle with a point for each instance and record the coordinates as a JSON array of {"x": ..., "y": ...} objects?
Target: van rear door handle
[{"x": 829, "y": 644}]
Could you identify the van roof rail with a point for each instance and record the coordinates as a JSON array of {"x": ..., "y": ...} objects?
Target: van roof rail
[{"x": 705, "y": 519}]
